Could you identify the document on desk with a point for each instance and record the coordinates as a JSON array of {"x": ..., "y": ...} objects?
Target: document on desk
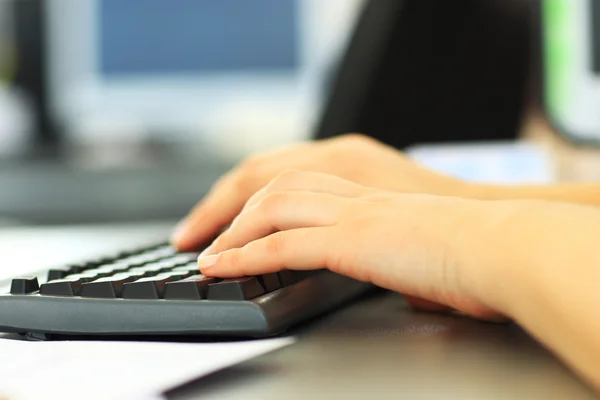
[
  {"x": 511, "y": 162},
  {"x": 114, "y": 370}
]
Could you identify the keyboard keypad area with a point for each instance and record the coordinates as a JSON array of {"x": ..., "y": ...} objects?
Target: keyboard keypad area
[{"x": 151, "y": 273}]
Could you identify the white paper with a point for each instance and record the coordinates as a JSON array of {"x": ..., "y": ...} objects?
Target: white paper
[
  {"x": 498, "y": 162},
  {"x": 114, "y": 370}
]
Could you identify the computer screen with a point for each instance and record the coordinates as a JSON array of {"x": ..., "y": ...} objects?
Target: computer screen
[
  {"x": 571, "y": 66},
  {"x": 216, "y": 69},
  {"x": 236, "y": 42}
]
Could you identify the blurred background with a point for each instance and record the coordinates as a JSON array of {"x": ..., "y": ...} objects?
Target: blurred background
[
  {"x": 116, "y": 110},
  {"x": 113, "y": 110}
]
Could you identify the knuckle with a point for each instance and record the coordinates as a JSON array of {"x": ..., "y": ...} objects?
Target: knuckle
[
  {"x": 247, "y": 169},
  {"x": 273, "y": 201},
  {"x": 255, "y": 199},
  {"x": 241, "y": 181},
  {"x": 274, "y": 245},
  {"x": 291, "y": 174},
  {"x": 287, "y": 178},
  {"x": 354, "y": 138},
  {"x": 335, "y": 263},
  {"x": 351, "y": 146}
]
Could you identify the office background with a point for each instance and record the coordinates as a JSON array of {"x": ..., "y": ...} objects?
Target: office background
[
  {"x": 96, "y": 130},
  {"x": 115, "y": 111}
]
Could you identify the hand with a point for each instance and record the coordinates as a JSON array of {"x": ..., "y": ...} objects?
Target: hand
[
  {"x": 401, "y": 242},
  {"x": 353, "y": 157}
]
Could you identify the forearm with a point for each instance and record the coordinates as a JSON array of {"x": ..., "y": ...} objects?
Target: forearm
[
  {"x": 539, "y": 263},
  {"x": 581, "y": 193}
]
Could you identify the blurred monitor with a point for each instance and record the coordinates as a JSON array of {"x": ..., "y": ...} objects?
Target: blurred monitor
[
  {"x": 217, "y": 70},
  {"x": 571, "y": 61}
]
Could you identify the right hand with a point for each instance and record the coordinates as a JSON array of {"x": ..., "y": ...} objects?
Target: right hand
[
  {"x": 356, "y": 158},
  {"x": 403, "y": 242}
]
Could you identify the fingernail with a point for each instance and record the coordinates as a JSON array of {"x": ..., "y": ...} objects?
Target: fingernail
[{"x": 207, "y": 261}]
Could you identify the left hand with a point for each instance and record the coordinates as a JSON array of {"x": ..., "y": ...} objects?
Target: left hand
[
  {"x": 356, "y": 158},
  {"x": 401, "y": 242}
]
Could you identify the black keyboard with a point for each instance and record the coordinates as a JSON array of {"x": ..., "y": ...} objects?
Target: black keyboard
[{"x": 157, "y": 291}]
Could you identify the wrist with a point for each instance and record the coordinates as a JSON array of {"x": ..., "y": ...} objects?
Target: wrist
[{"x": 477, "y": 251}]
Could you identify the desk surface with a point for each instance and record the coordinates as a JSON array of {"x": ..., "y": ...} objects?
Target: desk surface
[
  {"x": 379, "y": 348},
  {"x": 373, "y": 347}
]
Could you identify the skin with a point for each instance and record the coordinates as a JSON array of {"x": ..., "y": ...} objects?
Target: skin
[
  {"x": 370, "y": 213},
  {"x": 359, "y": 159},
  {"x": 353, "y": 157}
]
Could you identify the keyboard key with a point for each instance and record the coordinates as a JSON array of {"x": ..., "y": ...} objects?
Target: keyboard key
[
  {"x": 192, "y": 288},
  {"x": 163, "y": 252},
  {"x": 84, "y": 277},
  {"x": 107, "y": 287},
  {"x": 140, "y": 250},
  {"x": 113, "y": 268},
  {"x": 59, "y": 273},
  {"x": 141, "y": 273},
  {"x": 152, "y": 269},
  {"x": 192, "y": 267},
  {"x": 78, "y": 268},
  {"x": 235, "y": 289},
  {"x": 168, "y": 263},
  {"x": 178, "y": 275},
  {"x": 185, "y": 258},
  {"x": 137, "y": 250},
  {"x": 62, "y": 287},
  {"x": 138, "y": 261},
  {"x": 24, "y": 285},
  {"x": 96, "y": 263},
  {"x": 286, "y": 277},
  {"x": 301, "y": 275},
  {"x": 147, "y": 288},
  {"x": 91, "y": 275},
  {"x": 270, "y": 282},
  {"x": 124, "y": 254},
  {"x": 152, "y": 247},
  {"x": 182, "y": 274}
]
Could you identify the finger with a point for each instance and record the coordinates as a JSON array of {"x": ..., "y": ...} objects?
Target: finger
[
  {"x": 297, "y": 249},
  {"x": 219, "y": 207},
  {"x": 277, "y": 212},
  {"x": 296, "y": 180}
]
